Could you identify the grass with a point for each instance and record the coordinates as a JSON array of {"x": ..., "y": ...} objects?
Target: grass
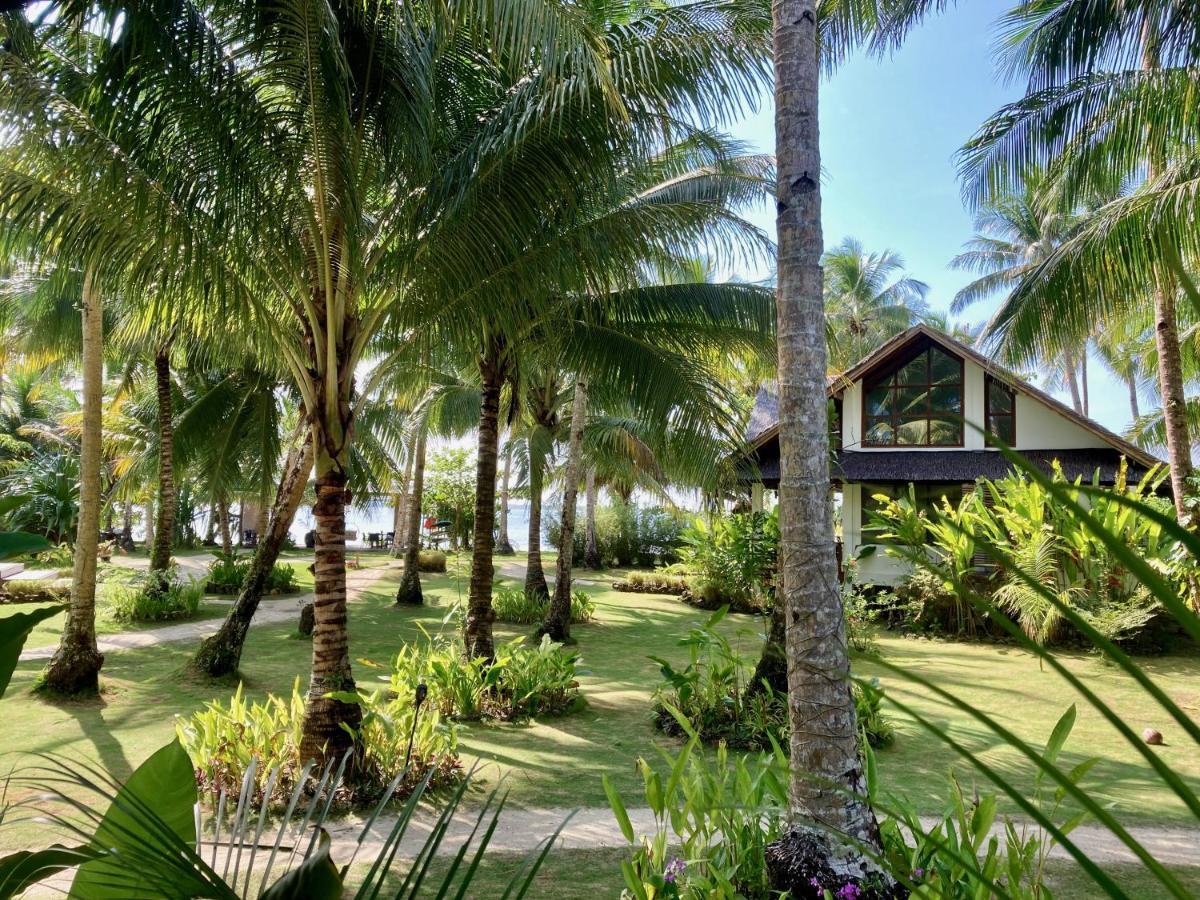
[{"x": 559, "y": 762}]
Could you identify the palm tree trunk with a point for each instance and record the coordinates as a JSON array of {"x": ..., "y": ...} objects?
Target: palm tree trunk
[
  {"x": 503, "y": 545},
  {"x": 772, "y": 664},
  {"x": 477, "y": 628},
  {"x": 164, "y": 528},
  {"x": 324, "y": 736},
  {"x": 558, "y": 615},
  {"x": 409, "y": 592},
  {"x": 827, "y": 781},
  {"x": 221, "y": 654},
  {"x": 535, "y": 578},
  {"x": 591, "y": 551},
  {"x": 400, "y": 520},
  {"x": 149, "y": 514},
  {"x": 1069, "y": 371},
  {"x": 127, "y": 526},
  {"x": 223, "y": 521},
  {"x": 1083, "y": 379},
  {"x": 1134, "y": 406},
  {"x": 75, "y": 666}
]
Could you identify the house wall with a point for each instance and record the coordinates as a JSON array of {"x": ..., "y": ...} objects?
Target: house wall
[
  {"x": 878, "y": 567},
  {"x": 1040, "y": 427}
]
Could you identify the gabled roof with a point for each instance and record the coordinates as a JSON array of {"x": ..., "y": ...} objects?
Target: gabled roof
[{"x": 898, "y": 344}]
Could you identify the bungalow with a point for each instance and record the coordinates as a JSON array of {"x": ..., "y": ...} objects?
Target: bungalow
[{"x": 913, "y": 412}]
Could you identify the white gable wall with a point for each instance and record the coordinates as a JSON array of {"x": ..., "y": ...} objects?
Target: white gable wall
[{"x": 1042, "y": 428}]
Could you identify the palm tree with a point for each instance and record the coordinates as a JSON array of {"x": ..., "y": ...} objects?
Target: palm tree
[
  {"x": 1015, "y": 234},
  {"x": 868, "y": 299},
  {"x": 1126, "y": 348},
  {"x": 75, "y": 667},
  {"x": 827, "y": 783},
  {"x": 558, "y": 611},
  {"x": 313, "y": 180},
  {"x": 1110, "y": 101}
]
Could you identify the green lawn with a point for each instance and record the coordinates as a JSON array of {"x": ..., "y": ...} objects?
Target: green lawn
[{"x": 559, "y": 762}]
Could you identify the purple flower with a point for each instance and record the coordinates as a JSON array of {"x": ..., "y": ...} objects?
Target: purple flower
[
  {"x": 813, "y": 881},
  {"x": 848, "y": 892},
  {"x": 918, "y": 873},
  {"x": 674, "y": 869}
]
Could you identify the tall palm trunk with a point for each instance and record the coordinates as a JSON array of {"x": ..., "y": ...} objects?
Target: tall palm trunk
[
  {"x": 409, "y": 592},
  {"x": 223, "y": 522},
  {"x": 75, "y": 666},
  {"x": 535, "y": 578},
  {"x": 772, "y": 663},
  {"x": 591, "y": 545},
  {"x": 221, "y": 654},
  {"x": 1134, "y": 406},
  {"x": 1070, "y": 373},
  {"x": 127, "y": 526},
  {"x": 558, "y": 615},
  {"x": 827, "y": 777},
  {"x": 326, "y": 718},
  {"x": 400, "y": 520},
  {"x": 503, "y": 545},
  {"x": 1166, "y": 337},
  {"x": 149, "y": 515},
  {"x": 164, "y": 528},
  {"x": 1083, "y": 379},
  {"x": 477, "y": 629}
]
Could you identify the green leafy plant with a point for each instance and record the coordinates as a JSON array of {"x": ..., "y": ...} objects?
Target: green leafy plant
[
  {"x": 225, "y": 740},
  {"x": 171, "y": 598},
  {"x": 522, "y": 681},
  {"x": 431, "y": 561},
  {"x": 227, "y": 572},
  {"x": 733, "y": 560},
  {"x": 514, "y": 606},
  {"x": 713, "y": 819},
  {"x": 652, "y": 583},
  {"x": 146, "y": 842}
]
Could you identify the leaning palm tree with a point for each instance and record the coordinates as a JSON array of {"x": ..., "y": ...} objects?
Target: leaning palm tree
[{"x": 868, "y": 299}]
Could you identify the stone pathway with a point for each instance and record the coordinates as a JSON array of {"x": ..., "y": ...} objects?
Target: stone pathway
[{"x": 270, "y": 611}]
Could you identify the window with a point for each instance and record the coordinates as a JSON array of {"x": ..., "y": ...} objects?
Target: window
[
  {"x": 1001, "y": 411},
  {"x": 917, "y": 404}
]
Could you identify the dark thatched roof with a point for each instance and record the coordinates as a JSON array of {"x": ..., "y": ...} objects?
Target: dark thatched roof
[{"x": 952, "y": 465}]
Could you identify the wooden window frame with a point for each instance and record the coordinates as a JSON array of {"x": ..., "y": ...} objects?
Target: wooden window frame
[
  {"x": 988, "y": 415},
  {"x": 867, "y": 385}
]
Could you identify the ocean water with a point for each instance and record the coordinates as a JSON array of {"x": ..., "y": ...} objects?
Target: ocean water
[{"x": 380, "y": 519}]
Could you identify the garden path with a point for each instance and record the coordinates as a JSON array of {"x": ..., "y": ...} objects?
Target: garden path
[{"x": 270, "y": 611}]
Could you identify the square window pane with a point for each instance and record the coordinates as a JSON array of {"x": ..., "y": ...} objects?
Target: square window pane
[
  {"x": 914, "y": 432},
  {"x": 912, "y": 402},
  {"x": 1004, "y": 428},
  {"x": 945, "y": 432},
  {"x": 1000, "y": 399},
  {"x": 915, "y": 372},
  {"x": 946, "y": 399},
  {"x": 879, "y": 402},
  {"x": 944, "y": 368},
  {"x": 879, "y": 432}
]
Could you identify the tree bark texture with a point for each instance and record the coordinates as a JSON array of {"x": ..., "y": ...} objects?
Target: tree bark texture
[
  {"x": 149, "y": 514},
  {"x": 477, "y": 627},
  {"x": 827, "y": 775},
  {"x": 324, "y": 738},
  {"x": 535, "y": 578},
  {"x": 772, "y": 664},
  {"x": 409, "y": 593},
  {"x": 558, "y": 614},
  {"x": 591, "y": 544},
  {"x": 1134, "y": 406},
  {"x": 164, "y": 527},
  {"x": 223, "y": 522},
  {"x": 503, "y": 545},
  {"x": 75, "y": 667},
  {"x": 221, "y": 654}
]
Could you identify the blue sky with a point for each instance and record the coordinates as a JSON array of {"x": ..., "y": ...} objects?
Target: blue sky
[{"x": 890, "y": 129}]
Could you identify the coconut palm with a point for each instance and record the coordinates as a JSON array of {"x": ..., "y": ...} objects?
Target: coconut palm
[
  {"x": 1110, "y": 100},
  {"x": 314, "y": 173},
  {"x": 868, "y": 299}
]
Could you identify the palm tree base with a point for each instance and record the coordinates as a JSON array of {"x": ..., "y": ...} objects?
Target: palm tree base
[
  {"x": 505, "y": 548},
  {"x": 591, "y": 559},
  {"x": 805, "y": 863},
  {"x": 219, "y": 656},
  {"x": 73, "y": 672},
  {"x": 409, "y": 593}
]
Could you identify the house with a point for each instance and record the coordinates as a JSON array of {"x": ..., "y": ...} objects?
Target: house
[{"x": 913, "y": 412}]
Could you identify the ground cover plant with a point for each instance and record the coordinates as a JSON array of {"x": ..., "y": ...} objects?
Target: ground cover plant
[
  {"x": 227, "y": 572},
  {"x": 520, "y": 608}
]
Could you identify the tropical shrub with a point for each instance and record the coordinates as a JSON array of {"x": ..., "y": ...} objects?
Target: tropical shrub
[
  {"x": 514, "y": 606},
  {"x": 48, "y": 485},
  {"x": 652, "y": 583},
  {"x": 222, "y": 739},
  {"x": 227, "y": 573},
  {"x": 431, "y": 561},
  {"x": 46, "y": 590},
  {"x": 713, "y": 693},
  {"x": 627, "y": 535},
  {"x": 732, "y": 560},
  {"x": 713, "y": 819},
  {"x": 522, "y": 681},
  {"x": 1041, "y": 534},
  {"x": 171, "y": 597}
]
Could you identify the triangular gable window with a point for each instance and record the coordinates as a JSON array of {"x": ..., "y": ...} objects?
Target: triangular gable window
[{"x": 917, "y": 402}]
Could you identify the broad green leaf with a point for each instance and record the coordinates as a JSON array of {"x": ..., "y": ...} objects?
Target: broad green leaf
[
  {"x": 160, "y": 794},
  {"x": 14, "y": 630},
  {"x": 316, "y": 878},
  {"x": 1058, "y": 737},
  {"x": 618, "y": 808},
  {"x": 16, "y": 543},
  {"x": 20, "y": 870}
]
